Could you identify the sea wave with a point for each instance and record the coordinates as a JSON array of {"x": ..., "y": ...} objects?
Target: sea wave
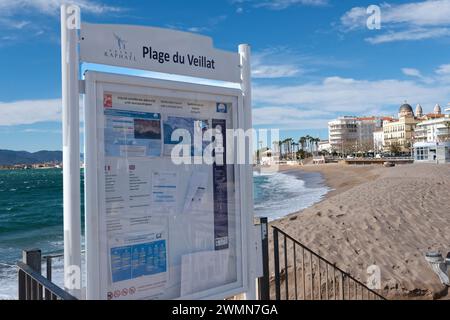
[{"x": 279, "y": 194}]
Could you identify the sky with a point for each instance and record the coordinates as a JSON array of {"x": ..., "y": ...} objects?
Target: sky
[{"x": 312, "y": 60}]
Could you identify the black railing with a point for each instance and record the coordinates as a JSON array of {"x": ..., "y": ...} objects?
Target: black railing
[
  {"x": 48, "y": 258},
  {"x": 305, "y": 275},
  {"x": 33, "y": 285}
]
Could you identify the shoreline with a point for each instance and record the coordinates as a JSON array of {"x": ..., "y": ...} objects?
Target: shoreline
[{"x": 338, "y": 178}]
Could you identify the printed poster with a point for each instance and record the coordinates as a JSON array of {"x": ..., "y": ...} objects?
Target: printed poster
[
  {"x": 138, "y": 264},
  {"x": 132, "y": 133},
  {"x": 220, "y": 193},
  {"x": 193, "y": 127},
  {"x": 164, "y": 192}
]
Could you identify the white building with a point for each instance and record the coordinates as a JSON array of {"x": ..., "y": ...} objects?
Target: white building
[
  {"x": 432, "y": 140},
  {"x": 342, "y": 133},
  {"x": 324, "y": 146},
  {"x": 378, "y": 141},
  {"x": 351, "y": 134},
  {"x": 268, "y": 157},
  {"x": 433, "y": 130}
]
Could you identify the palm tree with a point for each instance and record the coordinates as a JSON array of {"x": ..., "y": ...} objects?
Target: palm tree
[
  {"x": 288, "y": 142},
  {"x": 308, "y": 140},
  {"x": 281, "y": 147},
  {"x": 316, "y": 142},
  {"x": 295, "y": 149},
  {"x": 302, "y": 142}
]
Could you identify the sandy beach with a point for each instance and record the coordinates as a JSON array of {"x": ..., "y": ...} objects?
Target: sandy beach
[{"x": 384, "y": 216}]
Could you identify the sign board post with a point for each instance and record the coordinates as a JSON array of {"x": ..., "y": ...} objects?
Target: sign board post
[
  {"x": 162, "y": 220},
  {"x": 71, "y": 152}
]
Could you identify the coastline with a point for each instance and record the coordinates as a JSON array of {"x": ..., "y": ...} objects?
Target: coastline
[
  {"x": 376, "y": 215},
  {"x": 338, "y": 178}
]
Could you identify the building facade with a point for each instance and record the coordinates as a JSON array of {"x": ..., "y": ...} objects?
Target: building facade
[
  {"x": 324, "y": 146},
  {"x": 342, "y": 133},
  {"x": 433, "y": 130},
  {"x": 399, "y": 133},
  {"x": 349, "y": 134},
  {"x": 378, "y": 141},
  {"x": 432, "y": 140}
]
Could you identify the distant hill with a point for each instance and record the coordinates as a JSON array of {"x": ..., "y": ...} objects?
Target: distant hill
[{"x": 9, "y": 157}]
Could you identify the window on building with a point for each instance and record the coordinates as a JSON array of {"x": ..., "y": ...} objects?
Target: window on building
[{"x": 422, "y": 153}]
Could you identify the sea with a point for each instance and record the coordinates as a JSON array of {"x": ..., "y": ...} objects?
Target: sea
[{"x": 31, "y": 212}]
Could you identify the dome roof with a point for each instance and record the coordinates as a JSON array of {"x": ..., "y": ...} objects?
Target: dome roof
[
  {"x": 405, "y": 110},
  {"x": 405, "y": 107},
  {"x": 437, "y": 109}
]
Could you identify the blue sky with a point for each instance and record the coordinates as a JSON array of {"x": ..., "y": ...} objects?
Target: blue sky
[{"x": 313, "y": 60}]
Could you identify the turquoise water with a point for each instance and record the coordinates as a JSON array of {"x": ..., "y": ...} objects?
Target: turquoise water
[
  {"x": 31, "y": 211},
  {"x": 30, "y": 217}
]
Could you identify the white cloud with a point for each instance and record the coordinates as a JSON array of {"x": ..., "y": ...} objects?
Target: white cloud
[
  {"x": 13, "y": 24},
  {"x": 404, "y": 22},
  {"x": 280, "y": 4},
  {"x": 424, "y": 13},
  {"x": 274, "y": 71},
  {"x": 411, "y": 72},
  {"x": 346, "y": 95},
  {"x": 51, "y": 7},
  {"x": 29, "y": 111},
  {"x": 12, "y": 13},
  {"x": 443, "y": 69},
  {"x": 290, "y": 118},
  {"x": 283, "y": 4},
  {"x": 266, "y": 64},
  {"x": 410, "y": 35},
  {"x": 354, "y": 18},
  {"x": 311, "y": 105},
  {"x": 31, "y": 130}
]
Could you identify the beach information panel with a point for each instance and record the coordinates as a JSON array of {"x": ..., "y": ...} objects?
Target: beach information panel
[{"x": 161, "y": 223}]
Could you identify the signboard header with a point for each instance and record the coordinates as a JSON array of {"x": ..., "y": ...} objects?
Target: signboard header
[{"x": 156, "y": 49}]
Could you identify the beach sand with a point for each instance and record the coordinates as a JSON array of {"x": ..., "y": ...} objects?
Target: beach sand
[{"x": 384, "y": 216}]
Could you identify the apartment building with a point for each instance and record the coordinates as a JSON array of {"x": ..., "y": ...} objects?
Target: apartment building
[{"x": 350, "y": 134}]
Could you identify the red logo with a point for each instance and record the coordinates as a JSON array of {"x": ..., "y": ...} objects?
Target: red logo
[{"x": 107, "y": 101}]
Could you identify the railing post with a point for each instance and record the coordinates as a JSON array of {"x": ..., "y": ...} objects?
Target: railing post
[
  {"x": 22, "y": 285},
  {"x": 276, "y": 255},
  {"x": 286, "y": 268},
  {"x": 28, "y": 289},
  {"x": 264, "y": 281},
  {"x": 32, "y": 258},
  {"x": 49, "y": 276}
]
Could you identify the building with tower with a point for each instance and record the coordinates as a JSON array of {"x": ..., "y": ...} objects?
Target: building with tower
[{"x": 398, "y": 133}]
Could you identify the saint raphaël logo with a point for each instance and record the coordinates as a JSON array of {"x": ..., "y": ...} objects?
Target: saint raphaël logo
[
  {"x": 120, "y": 42},
  {"x": 120, "y": 51}
]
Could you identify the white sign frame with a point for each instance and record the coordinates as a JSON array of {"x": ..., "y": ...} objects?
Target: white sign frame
[
  {"x": 123, "y": 46},
  {"x": 96, "y": 84},
  {"x": 72, "y": 46}
]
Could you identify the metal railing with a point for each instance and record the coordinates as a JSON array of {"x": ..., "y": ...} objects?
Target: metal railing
[
  {"x": 32, "y": 284},
  {"x": 48, "y": 258},
  {"x": 305, "y": 275}
]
